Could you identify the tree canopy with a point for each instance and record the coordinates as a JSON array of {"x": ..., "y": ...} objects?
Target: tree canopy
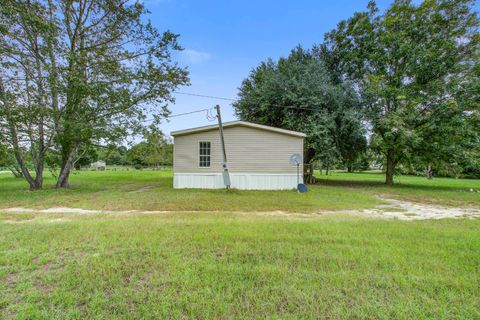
[
  {"x": 298, "y": 93},
  {"x": 410, "y": 64},
  {"x": 80, "y": 73},
  {"x": 154, "y": 150}
]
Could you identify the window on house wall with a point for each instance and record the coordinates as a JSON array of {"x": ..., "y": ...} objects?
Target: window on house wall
[{"x": 204, "y": 154}]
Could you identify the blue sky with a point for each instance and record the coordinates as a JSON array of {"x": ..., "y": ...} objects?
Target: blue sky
[{"x": 224, "y": 40}]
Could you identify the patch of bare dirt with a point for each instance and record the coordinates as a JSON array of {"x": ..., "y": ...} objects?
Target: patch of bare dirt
[
  {"x": 10, "y": 279},
  {"x": 142, "y": 189},
  {"x": 391, "y": 209},
  {"x": 406, "y": 210},
  {"x": 51, "y": 210}
]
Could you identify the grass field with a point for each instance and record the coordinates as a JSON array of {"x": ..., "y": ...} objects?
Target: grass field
[
  {"x": 444, "y": 191},
  {"x": 224, "y": 265},
  {"x": 204, "y": 261},
  {"x": 152, "y": 190}
]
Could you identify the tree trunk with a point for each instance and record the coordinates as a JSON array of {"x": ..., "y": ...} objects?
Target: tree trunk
[
  {"x": 24, "y": 170},
  {"x": 14, "y": 139},
  {"x": 62, "y": 181},
  {"x": 308, "y": 156},
  {"x": 311, "y": 170},
  {"x": 39, "y": 171},
  {"x": 308, "y": 176},
  {"x": 16, "y": 172},
  {"x": 429, "y": 172},
  {"x": 67, "y": 165},
  {"x": 18, "y": 156},
  {"x": 390, "y": 167},
  {"x": 39, "y": 180}
]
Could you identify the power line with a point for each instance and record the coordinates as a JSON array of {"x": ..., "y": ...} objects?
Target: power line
[
  {"x": 204, "y": 96},
  {"x": 212, "y": 118},
  {"x": 184, "y": 114},
  {"x": 231, "y": 99}
]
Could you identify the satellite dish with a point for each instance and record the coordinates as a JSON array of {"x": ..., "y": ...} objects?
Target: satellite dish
[
  {"x": 302, "y": 188},
  {"x": 295, "y": 159}
]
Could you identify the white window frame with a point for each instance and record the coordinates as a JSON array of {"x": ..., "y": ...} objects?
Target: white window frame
[{"x": 200, "y": 155}]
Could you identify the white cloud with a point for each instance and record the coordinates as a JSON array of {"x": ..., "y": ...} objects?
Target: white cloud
[{"x": 194, "y": 56}]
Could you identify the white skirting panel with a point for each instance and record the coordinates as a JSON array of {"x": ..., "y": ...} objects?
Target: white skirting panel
[{"x": 244, "y": 181}]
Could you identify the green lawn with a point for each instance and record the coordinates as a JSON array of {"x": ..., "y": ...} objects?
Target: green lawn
[
  {"x": 206, "y": 262},
  {"x": 442, "y": 191},
  {"x": 225, "y": 265},
  {"x": 152, "y": 190}
]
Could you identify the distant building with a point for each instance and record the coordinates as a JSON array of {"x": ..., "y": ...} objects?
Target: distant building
[
  {"x": 258, "y": 157},
  {"x": 99, "y": 165}
]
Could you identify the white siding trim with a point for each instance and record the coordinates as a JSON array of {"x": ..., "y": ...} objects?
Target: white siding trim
[
  {"x": 243, "y": 181},
  {"x": 238, "y": 173}
]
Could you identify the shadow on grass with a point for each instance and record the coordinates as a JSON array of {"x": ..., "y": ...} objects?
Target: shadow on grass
[{"x": 381, "y": 184}]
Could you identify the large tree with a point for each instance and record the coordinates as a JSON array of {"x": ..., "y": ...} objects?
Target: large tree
[
  {"x": 26, "y": 112},
  {"x": 408, "y": 64},
  {"x": 80, "y": 73},
  {"x": 154, "y": 150},
  {"x": 298, "y": 93},
  {"x": 7, "y": 161}
]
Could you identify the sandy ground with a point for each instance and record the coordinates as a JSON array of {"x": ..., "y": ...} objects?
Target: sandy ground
[
  {"x": 405, "y": 210},
  {"x": 66, "y": 210},
  {"x": 392, "y": 209}
]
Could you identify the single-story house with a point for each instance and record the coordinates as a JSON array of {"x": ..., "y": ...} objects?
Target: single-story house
[
  {"x": 99, "y": 165},
  {"x": 258, "y": 157}
]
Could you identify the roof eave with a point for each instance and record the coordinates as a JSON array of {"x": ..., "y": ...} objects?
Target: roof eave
[{"x": 238, "y": 123}]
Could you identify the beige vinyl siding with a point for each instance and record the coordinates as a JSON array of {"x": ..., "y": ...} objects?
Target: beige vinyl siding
[{"x": 249, "y": 150}]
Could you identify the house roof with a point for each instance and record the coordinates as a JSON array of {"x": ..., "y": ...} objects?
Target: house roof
[{"x": 238, "y": 124}]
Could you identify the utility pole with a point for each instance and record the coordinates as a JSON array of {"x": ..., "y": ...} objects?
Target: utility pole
[{"x": 225, "y": 173}]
